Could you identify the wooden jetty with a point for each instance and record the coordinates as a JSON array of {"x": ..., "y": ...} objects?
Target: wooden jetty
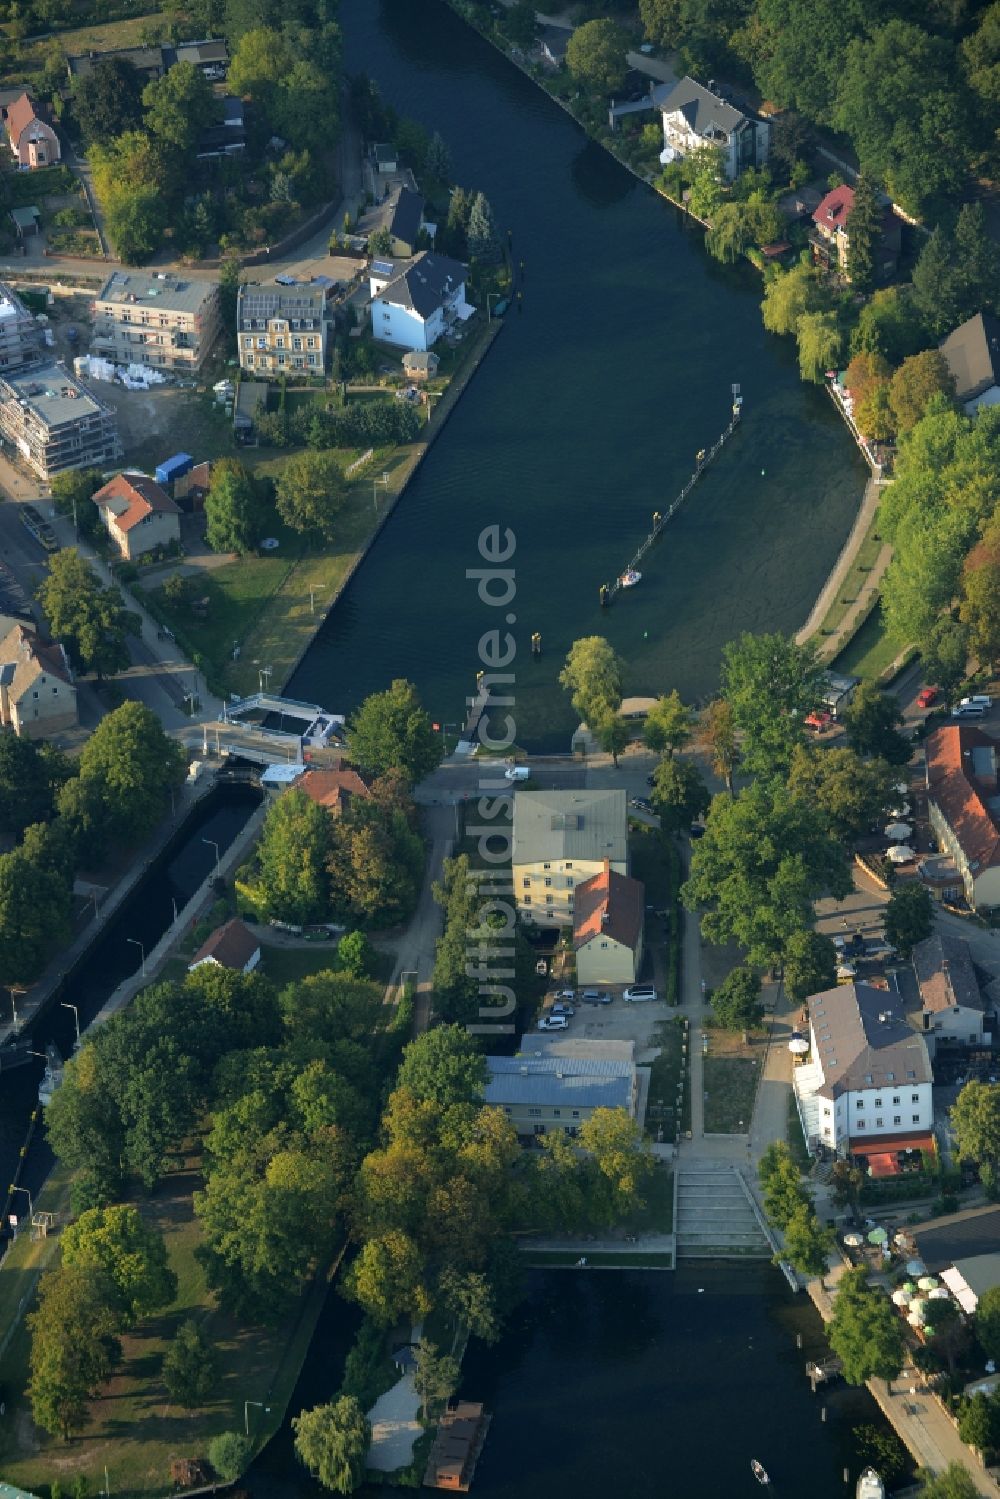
[
  {"x": 822, "y": 1372},
  {"x": 461, "y": 1433},
  {"x": 704, "y": 458}
]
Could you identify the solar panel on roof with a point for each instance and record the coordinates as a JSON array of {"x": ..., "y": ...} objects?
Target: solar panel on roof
[{"x": 383, "y": 267}]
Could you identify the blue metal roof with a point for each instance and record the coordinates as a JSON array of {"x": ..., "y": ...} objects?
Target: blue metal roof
[
  {"x": 588, "y": 1084},
  {"x": 174, "y": 468}
]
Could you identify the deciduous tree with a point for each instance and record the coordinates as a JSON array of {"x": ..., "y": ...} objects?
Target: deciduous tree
[
  {"x": 443, "y": 1066},
  {"x": 849, "y": 792},
  {"x": 807, "y": 1244},
  {"x": 595, "y": 54},
  {"x": 716, "y": 734},
  {"x": 392, "y": 731},
  {"x": 770, "y": 683},
  {"x": 107, "y": 99},
  {"x": 88, "y": 618},
  {"x": 237, "y": 508},
  {"x": 178, "y": 106},
  {"x": 736, "y": 1002},
  {"x": 387, "y": 1279},
  {"x": 679, "y": 794},
  {"x": 27, "y": 782},
  {"x": 133, "y": 1257},
  {"x": 988, "y": 1322},
  {"x": 310, "y": 493},
  {"x": 332, "y": 1442},
  {"x": 293, "y": 851},
  {"x": 865, "y": 1331},
  {"x": 810, "y": 964},
  {"x": 136, "y": 765},
  {"x": 614, "y": 736},
  {"x": 74, "y": 1346},
  {"x": 975, "y": 1122},
  {"x": 593, "y": 675},
  {"x": 436, "y": 1376},
  {"x": 668, "y": 725},
  {"x": 229, "y": 1453},
  {"x": 35, "y": 916},
  {"x": 788, "y": 296},
  {"x": 914, "y": 385},
  {"x": 909, "y": 917},
  {"x": 872, "y": 719},
  {"x": 190, "y": 1366},
  {"x": 821, "y": 344}
]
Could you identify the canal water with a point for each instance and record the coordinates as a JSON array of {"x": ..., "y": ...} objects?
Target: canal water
[
  {"x": 144, "y": 916},
  {"x": 584, "y": 419}
]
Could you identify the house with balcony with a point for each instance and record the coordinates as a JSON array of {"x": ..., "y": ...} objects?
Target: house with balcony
[
  {"x": 953, "y": 1008},
  {"x": 138, "y": 515},
  {"x": 562, "y": 839},
  {"x": 963, "y": 807},
  {"x": 281, "y": 329},
  {"x": 54, "y": 422},
  {"x": 412, "y": 308},
  {"x": 163, "y": 320},
  {"x": 864, "y": 1090},
  {"x": 695, "y": 116},
  {"x": 830, "y": 237}
]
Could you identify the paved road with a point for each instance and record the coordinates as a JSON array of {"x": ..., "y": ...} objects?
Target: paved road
[{"x": 415, "y": 951}]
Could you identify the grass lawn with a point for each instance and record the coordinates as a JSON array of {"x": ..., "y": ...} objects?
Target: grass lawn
[
  {"x": 872, "y": 651},
  {"x": 665, "y": 1074},
  {"x": 657, "y": 1217},
  {"x": 730, "y": 1085},
  {"x": 288, "y": 965},
  {"x": 135, "y": 1430},
  {"x": 854, "y": 581}
]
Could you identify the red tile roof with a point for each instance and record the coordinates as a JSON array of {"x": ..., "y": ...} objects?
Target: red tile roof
[
  {"x": 231, "y": 946},
  {"x": 131, "y": 497},
  {"x": 951, "y": 783},
  {"x": 608, "y": 905},
  {"x": 332, "y": 789},
  {"x": 834, "y": 208},
  {"x": 19, "y": 116}
]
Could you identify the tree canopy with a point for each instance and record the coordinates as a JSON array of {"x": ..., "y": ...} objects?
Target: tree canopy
[
  {"x": 392, "y": 731},
  {"x": 909, "y": 917},
  {"x": 310, "y": 493},
  {"x": 770, "y": 684},
  {"x": 87, "y": 617},
  {"x": 593, "y": 676},
  {"x": 332, "y": 1442},
  {"x": 133, "y": 1256},
  {"x": 237, "y": 507},
  {"x": 865, "y": 1331},
  {"x": 595, "y": 53}
]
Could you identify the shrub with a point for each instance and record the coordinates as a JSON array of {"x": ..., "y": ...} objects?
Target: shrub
[{"x": 229, "y": 1453}]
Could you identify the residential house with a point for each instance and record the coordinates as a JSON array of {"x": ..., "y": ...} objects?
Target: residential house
[
  {"x": 608, "y": 914},
  {"x": 386, "y": 158},
  {"x": 561, "y": 839},
  {"x": 952, "y": 1006},
  {"x": 21, "y": 340},
  {"x": 139, "y": 516},
  {"x": 962, "y": 806},
  {"x": 281, "y": 329},
  {"x": 33, "y": 143},
  {"x": 413, "y": 307},
  {"x": 159, "y": 319},
  {"x": 694, "y": 116},
  {"x": 419, "y": 364},
  {"x": 332, "y": 789},
  {"x": 54, "y": 422},
  {"x": 865, "y": 1090},
  {"x": 830, "y": 240},
  {"x": 552, "y": 44},
  {"x": 972, "y": 354},
  {"x": 539, "y": 1094},
  {"x": 964, "y": 1249},
  {"x": 228, "y": 135},
  {"x": 404, "y": 217},
  {"x": 232, "y": 946},
  {"x": 37, "y": 693}
]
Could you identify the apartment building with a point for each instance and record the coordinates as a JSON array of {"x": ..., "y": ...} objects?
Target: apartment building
[
  {"x": 37, "y": 693},
  {"x": 21, "y": 338},
  {"x": 281, "y": 329},
  {"x": 962, "y": 807},
  {"x": 163, "y": 320},
  {"x": 54, "y": 423},
  {"x": 561, "y": 839},
  {"x": 539, "y": 1094}
]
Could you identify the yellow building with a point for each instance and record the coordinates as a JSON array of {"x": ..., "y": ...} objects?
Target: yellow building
[
  {"x": 561, "y": 839},
  {"x": 37, "y": 694},
  {"x": 607, "y": 928},
  {"x": 281, "y": 329}
]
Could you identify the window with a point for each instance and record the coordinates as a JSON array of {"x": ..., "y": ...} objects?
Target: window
[
  {"x": 879, "y": 1123},
  {"x": 526, "y": 900},
  {"x": 878, "y": 1103},
  {"x": 890, "y": 1077},
  {"x": 546, "y": 865},
  {"x": 826, "y": 1110},
  {"x": 279, "y": 343},
  {"x": 896, "y": 1098},
  {"x": 526, "y": 882},
  {"x": 548, "y": 882},
  {"x": 897, "y": 1119},
  {"x": 262, "y": 343},
  {"x": 556, "y": 1113},
  {"x": 859, "y": 1124},
  {"x": 576, "y": 1113},
  {"x": 860, "y": 1104},
  {"x": 569, "y": 863},
  {"x": 548, "y": 900},
  {"x": 296, "y": 343},
  {"x": 914, "y": 1097},
  {"x": 916, "y": 1118},
  {"x": 604, "y": 944},
  {"x": 534, "y": 1113},
  {"x": 310, "y": 343}
]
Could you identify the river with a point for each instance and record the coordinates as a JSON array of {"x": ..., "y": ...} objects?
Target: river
[{"x": 584, "y": 418}]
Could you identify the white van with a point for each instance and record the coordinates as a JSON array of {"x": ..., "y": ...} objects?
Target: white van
[
  {"x": 969, "y": 710},
  {"x": 980, "y": 701},
  {"x": 517, "y": 773},
  {"x": 639, "y": 994}
]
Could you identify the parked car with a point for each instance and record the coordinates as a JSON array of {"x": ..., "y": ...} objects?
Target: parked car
[
  {"x": 596, "y": 997},
  {"x": 979, "y": 700},
  {"x": 969, "y": 710},
  {"x": 697, "y": 830},
  {"x": 641, "y": 803},
  {"x": 517, "y": 773},
  {"x": 569, "y": 994},
  {"x": 639, "y": 994},
  {"x": 926, "y": 697},
  {"x": 563, "y": 1007},
  {"x": 553, "y": 1023},
  {"x": 819, "y": 720}
]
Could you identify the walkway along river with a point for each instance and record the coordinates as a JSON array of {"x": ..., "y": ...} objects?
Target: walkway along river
[{"x": 584, "y": 420}]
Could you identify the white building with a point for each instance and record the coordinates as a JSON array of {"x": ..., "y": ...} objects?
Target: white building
[
  {"x": 865, "y": 1090},
  {"x": 413, "y": 307},
  {"x": 952, "y": 1004},
  {"x": 694, "y": 116}
]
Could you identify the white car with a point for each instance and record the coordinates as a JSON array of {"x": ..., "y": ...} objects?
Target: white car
[
  {"x": 553, "y": 1023},
  {"x": 639, "y": 994},
  {"x": 517, "y": 773}
]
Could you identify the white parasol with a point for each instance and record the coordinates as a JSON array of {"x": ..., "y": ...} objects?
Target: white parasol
[
  {"x": 902, "y": 810},
  {"x": 899, "y": 832},
  {"x": 901, "y": 1297},
  {"x": 939, "y": 1293},
  {"x": 927, "y": 1282},
  {"x": 900, "y": 853},
  {"x": 853, "y": 1241},
  {"x": 798, "y": 1045}
]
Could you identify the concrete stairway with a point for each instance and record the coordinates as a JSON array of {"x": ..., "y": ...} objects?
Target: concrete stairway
[{"x": 713, "y": 1216}]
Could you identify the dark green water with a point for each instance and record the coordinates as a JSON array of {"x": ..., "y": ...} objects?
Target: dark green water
[{"x": 583, "y": 420}]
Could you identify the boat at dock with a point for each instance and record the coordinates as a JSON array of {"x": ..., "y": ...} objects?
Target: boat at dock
[
  {"x": 758, "y": 1471},
  {"x": 630, "y": 578},
  {"x": 870, "y": 1485}
]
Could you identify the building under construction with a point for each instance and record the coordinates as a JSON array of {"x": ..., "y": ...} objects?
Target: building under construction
[{"x": 54, "y": 423}]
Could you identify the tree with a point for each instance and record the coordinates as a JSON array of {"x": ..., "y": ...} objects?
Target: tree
[
  {"x": 979, "y": 1422},
  {"x": 946, "y": 653},
  {"x": 846, "y": 1181},
  {"x": 72, "y": 492},
  {"x": 179, "y": 106},
  {"x": 979, "y": 258},
  {"x": 955, "y": 1482},
  {"x": 236, "y": 508},
  {"x": 595, "y": 54},
  {"x": 136, "y": 765},
  {"x": 890, "y": 325},
  {"x": 292, "y": 854},
  {"x": 868, "y": 370},
  {"x": 807, "y": 1245},
  {"x": 872, "y": 720},
  {"x": 622, "y": 1164},
  {"x": 704, "y": 169},
  {"x": 387, "y": 1278},
  {"x": 917, "y": 381},
  {"x": 392, "y": 731},
  {"x": 821, "y": 345},
  {"x": 810, "y": 964},
  {"x": 770, "y": 684},
  {"x": 873, "y": 414},
  {"x": 356, "y": 955},
  {"x": 593, "y": 675},
  {"x": 937, "y": 285},
  {"x": 988, "y": 1322},
  {"x": 668, "y": 724},
  {"x": 614, "y": 736},
  {"x": 481, "y": 232},
  {"x": 107, "y": 100},
  {"x": 781, "y": 1181},
  {"x": 229, "y": 1453},
  {"x": 27, "y": 775},
  {"x": 788, "y": 296},
  {"x": 310, "y": 492},
  {"x": 438, "y": 163},
  {"x": 865, "y": 1332},
  {"x": 909, "y": 917},
  {"x": 132, "y": 1256},
  {"x": 35, "y": 916},
  {"x": 881, "y": 1449},
  {"x": 73, "y": 1346},
  {"x": 88, "y": 618},
  {"x": 736, "y": 1002},
  {"x": 332, "y": 1442},
  {"x": 190, "y": 1366},
  {"x": 979, "y": 610},
  {"x": 850, "y": 793},
  {"x": 791, "y": 139},
  {"x": 975, "y": 1122},
  {"x": 864, "y": 230},
  {"x": 471, "y": 1301},
  {"x": 679, "y": 794},
  {"x": 380, "y": 241},
  {"x": 436, "y": 1376},
  {"x": 444, "y": 1066},
  {"x": 717, "y": 736}
]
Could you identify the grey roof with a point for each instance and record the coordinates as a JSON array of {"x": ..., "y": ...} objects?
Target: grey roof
[
  {"x": 425, "y": 284},
  {"x": 418, "y": 359},
  {"x": 554, "y": 39},
  {"x": 259, "y": 303},
  {"x": 863, "y": 1040},
  {"x": 943, "y": 966},
  {"x": 959, "y": 1236},
  {"x": 972, "y": 354},
  {"x": 574, "y": 1081},
  {"x": 166, "y": 291},
  {"x": 146, "y": 59},
  {"x": 981, "y": 1272},
  {"x": 570, "y": 825},
  {"x": 559, "y": 1044},
  {"x": 407, "y": 211},
  {"x": 704, "y": 111},
  {"x": 52, "y": 393}
]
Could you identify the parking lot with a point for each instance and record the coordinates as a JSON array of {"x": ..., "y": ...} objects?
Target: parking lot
[{"x": 618, "y": 1021}]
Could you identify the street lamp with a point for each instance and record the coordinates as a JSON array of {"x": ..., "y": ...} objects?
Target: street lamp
[
  {"x": 136, "y": 943},
  {"x": 76, "y": 1017},
  {"x": 31, "y": 1209},
  {"x": 312, "y": 600},
  {"x": 263, "y": 677},
  {"x": 212, "y": 844},
  {"x": 375, "y": 484},
  {"x": 246, "y": 1412}
]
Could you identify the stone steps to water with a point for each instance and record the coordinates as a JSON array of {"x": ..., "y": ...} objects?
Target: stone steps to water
[{"x": 714, "y": 1217}]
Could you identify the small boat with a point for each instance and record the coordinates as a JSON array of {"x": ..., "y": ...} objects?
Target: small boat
[
  {"x": 53, "y": 1076},
  {"x": 630, "y": 578},
  {"x": 870, "y": 1486},
  {"x": 757, "y": 1469}
]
